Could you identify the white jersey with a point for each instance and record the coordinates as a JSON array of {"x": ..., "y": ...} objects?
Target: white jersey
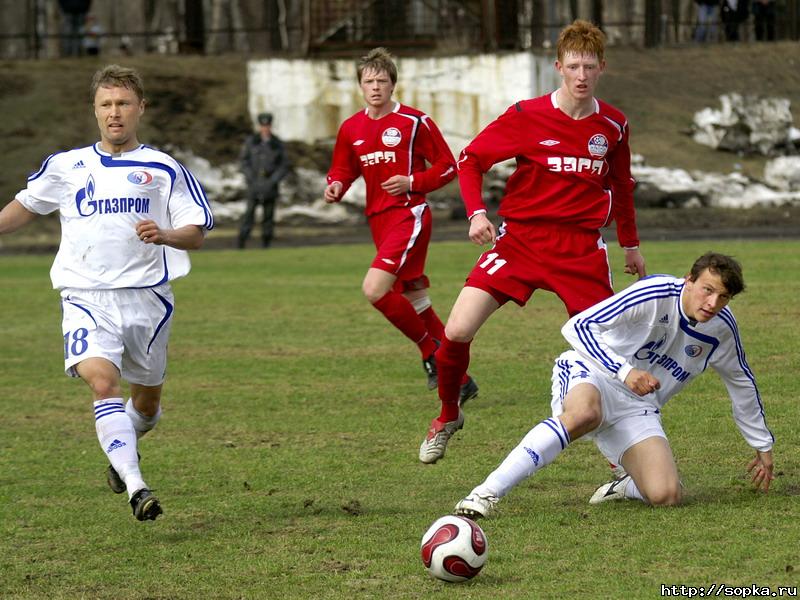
[
  {"x": 100, "y": 198},
  {"x": 644, "y": 327}
]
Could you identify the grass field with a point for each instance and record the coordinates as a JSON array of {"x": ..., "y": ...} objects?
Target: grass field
[{"x": 286, "y": 459}]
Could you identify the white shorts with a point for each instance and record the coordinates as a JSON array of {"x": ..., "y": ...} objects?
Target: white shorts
[
  {"x": 129, "y": 327},
  {"x": 627, "y": 419}
]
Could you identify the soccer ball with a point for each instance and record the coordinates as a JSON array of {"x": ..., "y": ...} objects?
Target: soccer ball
[{"x": 454, "y": 548}]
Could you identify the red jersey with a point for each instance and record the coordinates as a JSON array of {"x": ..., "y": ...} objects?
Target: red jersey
[
  {"x": 571, "y": 172},
  {"x": 396, "y": 144}
]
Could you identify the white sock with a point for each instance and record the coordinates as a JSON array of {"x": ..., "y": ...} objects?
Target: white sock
[
  {"x": 141, "y": 423},
  {"x": 118, "y": 440},
  {"x": 632, "y": 492},
  {"x": 538, "y": 448}
]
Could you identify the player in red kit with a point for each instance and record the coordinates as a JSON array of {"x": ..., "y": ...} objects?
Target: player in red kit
[
  {"x": 389, "y": 144},
  {"x": 572, "y": 178}
]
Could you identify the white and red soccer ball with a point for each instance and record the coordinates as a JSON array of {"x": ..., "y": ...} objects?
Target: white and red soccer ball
[{"x": 454, "y": 548}]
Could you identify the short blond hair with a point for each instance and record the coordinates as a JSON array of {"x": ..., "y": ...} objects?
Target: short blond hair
[
  {"x": 116, "y": 76},
  {"x": 377, "y": 59},
  {"x": 581, "y": 37}
]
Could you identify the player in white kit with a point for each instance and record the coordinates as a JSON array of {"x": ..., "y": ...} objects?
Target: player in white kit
[
  {"x": 128, "y": 214},
  {"x": 631, "y": 354}
]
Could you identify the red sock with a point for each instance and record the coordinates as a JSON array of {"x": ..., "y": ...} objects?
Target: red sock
[
  {"x": 452, "y": 360},
  {"x": 436, "y": 329},
  {"x": 433, "y": 323},
  {"x": 399, "y": 312}
]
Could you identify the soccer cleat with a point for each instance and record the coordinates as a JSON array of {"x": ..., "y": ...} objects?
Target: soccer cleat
[
  {"x": 613, "y": 490},
  {"x": 435, "y": 443},
  {"x": 114, "y": 480},
  {"x": 476, "y": 505},
  {"x": 146, "y": 507},
  {"x": 468, "y": 391},
  {"x": 429, "y": 364}
]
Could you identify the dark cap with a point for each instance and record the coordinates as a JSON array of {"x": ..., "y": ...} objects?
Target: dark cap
[{"x": 265, "y": 119}]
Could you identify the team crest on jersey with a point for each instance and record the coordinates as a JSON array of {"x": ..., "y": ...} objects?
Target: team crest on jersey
[
  {"x": 693, "y": 350},
  {"x": 598, "y": 145},
  {"x": 140, "y": 177},
  {"x": 391, "y": 137}
]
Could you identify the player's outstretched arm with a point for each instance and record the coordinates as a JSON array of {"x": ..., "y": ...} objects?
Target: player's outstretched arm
[
  {"x": 761, "y": 470},
  {"x": 634, "y": 263},
  {"x": 13, "y": 216},
  {"x": 481, "y": 229},
  {"x": 188, "y": 237}
]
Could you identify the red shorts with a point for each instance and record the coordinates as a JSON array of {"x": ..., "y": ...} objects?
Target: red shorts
[
  {"x": 571, "y": 262},
  {"x": 401, "y": 236}
]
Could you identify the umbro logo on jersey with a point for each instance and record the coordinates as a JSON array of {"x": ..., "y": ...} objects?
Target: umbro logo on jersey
[
  {"x": 549, "y": 142},
  {"x": 358, "y": 142},
  {"x": 664, "y": 319},
  {"x": 114, "y": 445},
  {"x": 79, "y": 165}
]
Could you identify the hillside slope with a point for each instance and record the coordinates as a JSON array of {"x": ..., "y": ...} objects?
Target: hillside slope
[{"x": 200, "y": 103}]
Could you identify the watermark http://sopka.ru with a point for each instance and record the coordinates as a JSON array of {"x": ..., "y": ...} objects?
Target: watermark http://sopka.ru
[{"x": 721, "y": 590}]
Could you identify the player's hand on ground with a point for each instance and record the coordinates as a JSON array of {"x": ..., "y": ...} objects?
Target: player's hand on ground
[
  {"x": 760, "y": 469},
  {"x": 149, "y": 232},
  {"x": 634, "y": 263},
  {"x": 397, "y": 184},
  {"x": 333, "y": 192},
  {"x": 481, "y": 230},
  {"x": 641, "y": 382}
]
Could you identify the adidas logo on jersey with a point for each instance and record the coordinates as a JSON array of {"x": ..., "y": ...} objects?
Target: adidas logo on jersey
[
  {"x": 664, "y": 319},
  {"x": 549, "y": 142},
  {"x": 114, "y": 445},
  {"x": 79, "y": 165}
]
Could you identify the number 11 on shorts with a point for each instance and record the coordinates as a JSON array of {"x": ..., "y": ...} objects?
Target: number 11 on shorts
[{"x": 492, "y": 258}]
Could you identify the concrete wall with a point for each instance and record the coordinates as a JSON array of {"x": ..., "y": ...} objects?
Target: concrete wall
[{"x": 310, "y": 98}]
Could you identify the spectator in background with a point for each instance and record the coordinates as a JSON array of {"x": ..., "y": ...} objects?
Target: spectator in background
[
  {"x": 92, "y": 36},
  {"x": 764, "y": 20},
  {"x": 707, "y": 17},
  {"x": 264, "y": 164},
  {"x": 734, "y": 13},
  {"x": 73, "y": 18}
]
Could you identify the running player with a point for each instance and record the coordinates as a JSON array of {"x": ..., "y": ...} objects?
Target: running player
[
  {"x": 128, "y": 214},
  {"x": 572, "y": 178},
  {"x": 632, "y": 353},
  {"x": 388, "y": 144}
]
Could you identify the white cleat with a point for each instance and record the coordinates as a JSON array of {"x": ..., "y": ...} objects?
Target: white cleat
[
  {"x": 613, "y": 490},
  {"x": 476, "y": 506},
  {"x": 435, "y": 443}
]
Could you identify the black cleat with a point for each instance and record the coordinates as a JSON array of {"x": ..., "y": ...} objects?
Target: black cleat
[
  {"x": 469, "y": 390},
  {"x": 429, "y": 364},
  {"x": 114, "y": 480},
  {"x": 146, "y": 507}
]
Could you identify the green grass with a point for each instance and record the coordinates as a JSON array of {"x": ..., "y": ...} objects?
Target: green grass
[{"x": 286, "y": 457}]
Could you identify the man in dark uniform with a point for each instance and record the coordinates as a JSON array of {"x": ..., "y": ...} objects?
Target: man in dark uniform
[{"x": 264, "y": 164}]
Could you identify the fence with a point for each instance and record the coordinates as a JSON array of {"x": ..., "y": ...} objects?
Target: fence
[{"x": 303, "y": 28}]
